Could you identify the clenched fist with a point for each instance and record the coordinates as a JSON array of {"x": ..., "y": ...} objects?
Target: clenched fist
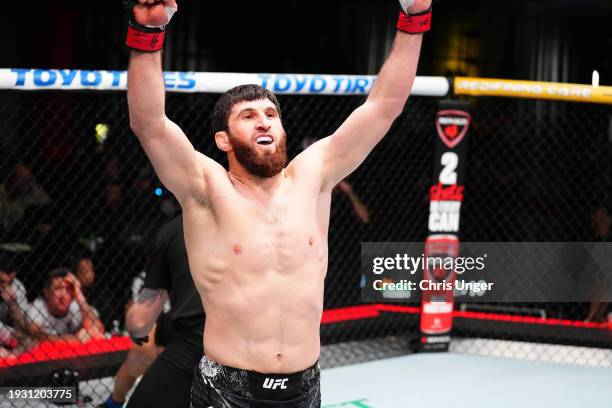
[
  {"x": 148, "y": 22},
  {"x": 415, "y": 16},
  {"x": 415, "y": 6},
  {"x": 154, "y": 13}
]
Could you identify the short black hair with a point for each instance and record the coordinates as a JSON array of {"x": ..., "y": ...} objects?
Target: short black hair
[
  {"x": 78, "y": 257},
  {"x": 241, "y": 93},
  {"x": 54, "y": 274}
]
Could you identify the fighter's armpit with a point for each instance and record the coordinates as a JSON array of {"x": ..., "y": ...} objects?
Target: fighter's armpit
[{"x": 202, "y": 199}]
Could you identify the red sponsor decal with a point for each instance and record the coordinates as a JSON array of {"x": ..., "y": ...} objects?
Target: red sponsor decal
[
  {"x": 437, "y": 320},
  {"x": 450, "y": 193},
  {"x": 452, "y": 125},
  {"x": 437, "y": 304}
]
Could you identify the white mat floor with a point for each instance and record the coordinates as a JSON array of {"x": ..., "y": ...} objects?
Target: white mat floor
[
  {"x": 447, "y": 380},
  {"x": 462, "y": 381}
]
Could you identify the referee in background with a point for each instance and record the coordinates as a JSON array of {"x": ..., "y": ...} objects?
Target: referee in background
[{"x": 167, "y": 382}]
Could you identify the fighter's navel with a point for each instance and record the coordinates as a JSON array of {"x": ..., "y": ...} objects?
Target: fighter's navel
[
  {"x": 310, "y": 241},
  {"x": 237, "y": 249},
  {"x": 279, "y": 357}
]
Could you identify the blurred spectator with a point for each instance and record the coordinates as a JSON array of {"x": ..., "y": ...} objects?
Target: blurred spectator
[
  {"x": 359, "y": 208},
  {"x": 98, "y": 296},
  {"x": 13, "y": 307},
  {"x": 85, "y": 272},
  {"x": 52, "y": 240},
  {"x": 601, "y": 224},
  {"x": 601, "y": 233},
  {"x": 19, "y": 192},
  {"x": 118, "y": 249},
  {"x": 142, "y": 202},
  {"x": 113, "y": 196},
  {"x": 106, "y": 218},
  {"x": 112, "y": 170},
  {"x": 147, "y": 200},
  {"x": 62, "y": 312}
]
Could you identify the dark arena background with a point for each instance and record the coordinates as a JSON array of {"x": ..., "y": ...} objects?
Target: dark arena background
[{"x": 75, "y": 183}]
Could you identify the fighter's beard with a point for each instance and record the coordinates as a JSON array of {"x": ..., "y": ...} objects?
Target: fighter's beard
[{"x": 260, "y": 164}]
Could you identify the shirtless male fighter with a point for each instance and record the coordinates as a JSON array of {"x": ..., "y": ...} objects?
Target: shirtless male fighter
[{"x": 256, "y": 234}]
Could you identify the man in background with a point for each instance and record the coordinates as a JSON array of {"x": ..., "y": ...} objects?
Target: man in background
[
  {"x": 13, "y": 306},
  {"x": 167, "y": 382},
  {"x": 62, "y": 312}
]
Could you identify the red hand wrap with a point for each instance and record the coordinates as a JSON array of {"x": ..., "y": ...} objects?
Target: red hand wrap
[
  {"x": 143, "y": 41},
  {"x": 414, "y": 23}
]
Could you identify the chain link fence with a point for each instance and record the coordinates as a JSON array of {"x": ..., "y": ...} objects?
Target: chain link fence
[
  {"x": 77, "y": 193},
  {"x": 77, "y": 185},
  {"x": 538, "y": 171}
]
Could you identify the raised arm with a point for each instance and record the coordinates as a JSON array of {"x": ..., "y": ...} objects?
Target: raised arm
[
  {"x": 348, "y": 147},
  {"x": 175, "y": 160}
]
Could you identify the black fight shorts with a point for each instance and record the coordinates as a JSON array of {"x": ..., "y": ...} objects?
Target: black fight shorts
[{"x": 219, "y": 386}]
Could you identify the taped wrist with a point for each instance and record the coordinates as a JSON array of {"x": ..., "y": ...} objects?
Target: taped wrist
[
  {"x": 414, "y": 23},
  {"x": 142, "y": 38}
]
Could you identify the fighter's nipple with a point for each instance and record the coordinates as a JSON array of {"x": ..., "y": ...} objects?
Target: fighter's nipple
[{"x": 237, "y": 249}]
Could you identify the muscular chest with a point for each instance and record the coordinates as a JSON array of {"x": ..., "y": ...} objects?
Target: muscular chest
[{"x": 280, "y": 235}]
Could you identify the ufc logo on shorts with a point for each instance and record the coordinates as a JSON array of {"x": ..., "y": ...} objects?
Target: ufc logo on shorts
[{"x": 273, "y": 384}]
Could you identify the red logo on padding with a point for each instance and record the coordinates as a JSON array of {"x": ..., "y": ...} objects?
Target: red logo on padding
[{"x": 452, "y": 125}]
